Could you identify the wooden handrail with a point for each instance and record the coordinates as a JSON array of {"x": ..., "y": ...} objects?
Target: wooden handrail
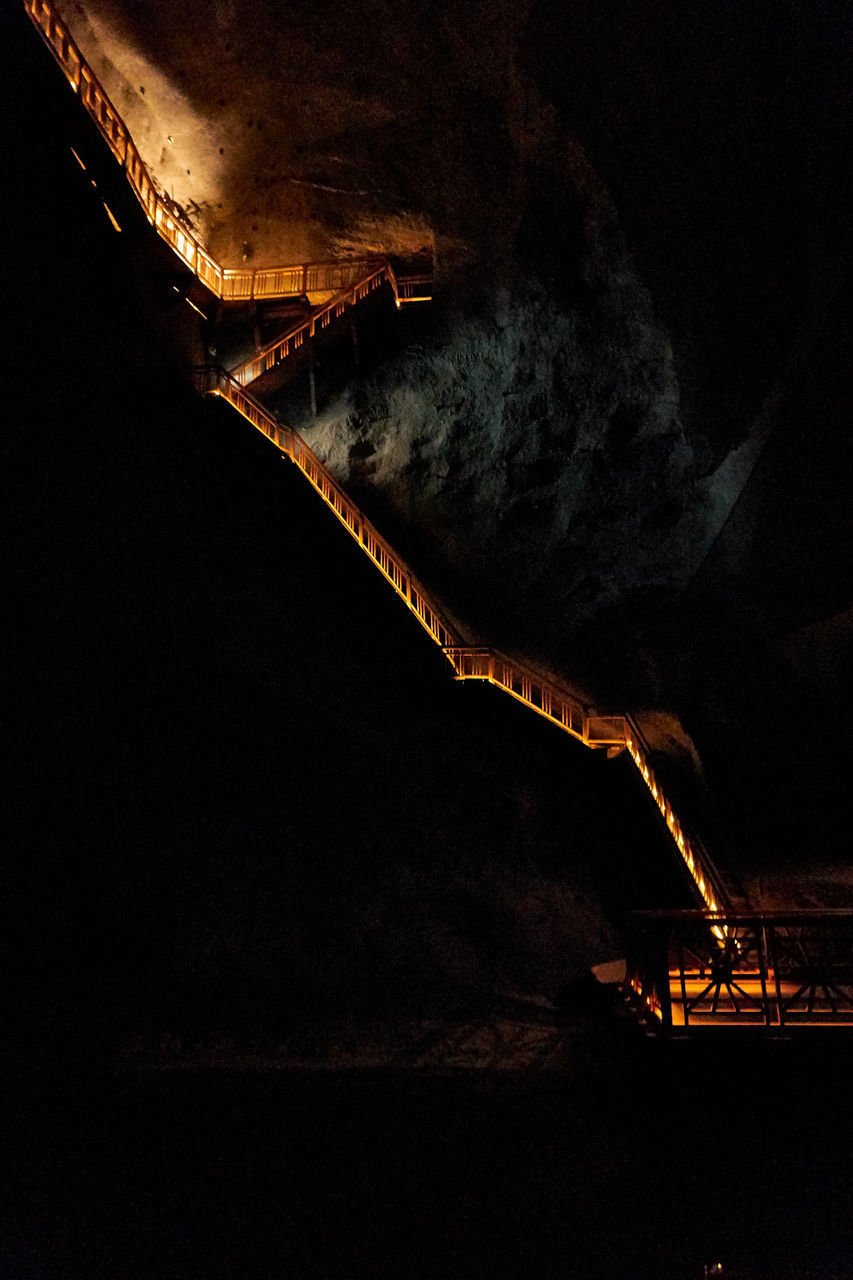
[
  {"x": 545, "y": 697},
  {"x": 393, "y": 569},
  {"x": 229, "y": 284},
  {"x": 541, "y": 695},
  {"x": 696, "y": 858},
  {"x": 285, "y": 345}
]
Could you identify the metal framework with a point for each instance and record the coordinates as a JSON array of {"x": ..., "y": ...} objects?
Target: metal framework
[{"x": 775, "y": 972}]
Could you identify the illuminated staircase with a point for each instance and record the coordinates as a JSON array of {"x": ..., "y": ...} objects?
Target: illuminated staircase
[
  {"x": 720, "y": 966},
  {"x": 241, "y": 284},
  {"x": 541, "y": 694},
  {"x": 284, "y": 347}
]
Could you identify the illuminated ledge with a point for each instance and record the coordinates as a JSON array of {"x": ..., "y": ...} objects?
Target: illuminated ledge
[{"x": 243, "y": 284}]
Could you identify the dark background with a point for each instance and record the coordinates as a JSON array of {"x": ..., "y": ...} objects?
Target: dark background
[{"x": 218, "y": 716}]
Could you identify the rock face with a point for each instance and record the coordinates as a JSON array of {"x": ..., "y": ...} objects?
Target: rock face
[
  {"x": 629, "y": 245},
  {"x": 639, "y": 215},
  {"x": 538, "y": 452}
]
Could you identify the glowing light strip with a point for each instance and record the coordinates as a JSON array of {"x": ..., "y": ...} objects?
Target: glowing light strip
[
  {"x": 700, "y": 875},
  {"x": 357, "y": 525},
  {"x": 111, "y": 215},
  {"x": 546, "y": 699}
]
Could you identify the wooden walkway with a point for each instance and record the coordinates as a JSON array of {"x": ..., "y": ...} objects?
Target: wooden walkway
[
  {"x": 240, "y": 284},
  {"x": 284, "y": 346},
  {"x": 537, "y": 692},
  {"x": 710, "y": 967}
]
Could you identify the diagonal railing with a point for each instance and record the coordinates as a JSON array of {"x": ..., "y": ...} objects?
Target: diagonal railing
[
  {"x": 545, "y": 697},
  {"x": 220, "y": 383},
  {"x": 244, "y": 284},
  {"x": 276, "y": 352},
  {"x": 351, "y": 282},
  {"x": 698, "y": 862}
]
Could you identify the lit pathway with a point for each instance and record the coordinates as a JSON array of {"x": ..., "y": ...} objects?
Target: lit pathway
[
  {"x": 371, "y": 276},
  {"x": 716, "y": 966},
  {"x": 240, "y": 284},
  {"x": 542, "y": 695}
]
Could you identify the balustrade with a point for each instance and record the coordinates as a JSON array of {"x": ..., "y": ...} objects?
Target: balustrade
[
  {"x": 278, "y": 351},
  {"x": 776, "y": 971},
  {"x": 237, "y": 284},
  {"x": 528, "y": 687}
]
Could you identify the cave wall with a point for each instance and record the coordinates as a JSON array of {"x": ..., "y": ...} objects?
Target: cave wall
[{"x": 638, "y": 213}]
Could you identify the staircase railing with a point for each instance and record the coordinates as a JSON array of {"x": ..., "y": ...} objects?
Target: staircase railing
[
  {"x": 541, "y": 695},
  {"x": 545, "y": 697},
  {"x": 289, "y": 442},
  {"x": 697, "y": 860},
  {"x": 229, "y": 284},
  {"x": 278, "y": 351},
  {"x": 774, "y": 972}
]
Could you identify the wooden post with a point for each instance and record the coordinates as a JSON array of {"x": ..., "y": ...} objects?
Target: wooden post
[{"x": 312, "y": 362}]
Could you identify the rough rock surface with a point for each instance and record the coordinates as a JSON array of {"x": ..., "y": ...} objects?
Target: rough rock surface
[
  {"x": 539, "y": 453},
  {"x": 632, "y": 227},
  {"x": 639, "y": 218}
]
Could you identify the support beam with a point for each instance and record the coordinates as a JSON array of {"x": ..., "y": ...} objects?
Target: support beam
[{"x": 312, "y": 383}]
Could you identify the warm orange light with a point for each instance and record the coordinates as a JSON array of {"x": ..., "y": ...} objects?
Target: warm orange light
[
  {"x": 273, "y": 282},
  {"x": 673, "y": 824},
  {"x": 111, "y": 216},
  {"x": 554, "y": 704}
]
